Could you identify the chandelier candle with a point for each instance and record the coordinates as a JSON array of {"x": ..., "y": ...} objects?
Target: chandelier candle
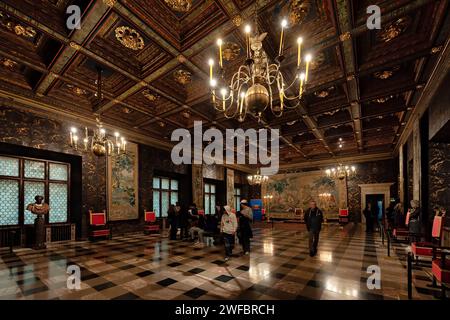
[
  {"x": 211, "y": 64},
  {"x": 299, "y": 43},
  {"x": 219, "y": 43},
  {"x": 247, "y": 30},
  {"x": 308, "y": 60},
  {"x": 283, "y": 25},
  {"x": 302, "y": 80}
]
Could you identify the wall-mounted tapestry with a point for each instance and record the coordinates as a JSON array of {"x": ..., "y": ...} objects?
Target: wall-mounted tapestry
[
  {"x": 295, "y": 191},
  {"x": 123, "y": 185}
]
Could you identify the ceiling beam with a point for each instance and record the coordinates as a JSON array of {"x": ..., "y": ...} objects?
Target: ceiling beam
[{"x": 348, "y": 54}]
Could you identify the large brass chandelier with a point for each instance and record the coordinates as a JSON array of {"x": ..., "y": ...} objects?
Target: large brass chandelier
[
  {"x": 341, "y": 172},
  {"x": 257, "y": 179},
  {"x": 100, "y": 144},
  {"x": 258, "y": 83}
]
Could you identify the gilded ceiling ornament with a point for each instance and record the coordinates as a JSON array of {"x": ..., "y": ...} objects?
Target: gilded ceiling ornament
[
  {"x": 350, "y": 77},
  {"x": 8, "y": 63},
  {"x": 394, "y": 29},
  {"x": 76, "y": 90},
  {"x": 182, "y": 76},
  {"x": 126, "y": 110},
  {"x": 237, "y": 20},
  {"x": 298, "y": 10},
  {"x": 161, "y": 124},
  {"x": 230, "y": 51},
  {"x": 109, "y": 3},
  {"x": 331, "y": 113},
  {"x": 435, "y": 50},
  {"x": 386, "y": 74},
  {"x": 181, "y": 58},
  {"x": 18, "y": 29},
  {"x": 129, "y": 38},
  {"x": 186, "y": 114},
  {"x": 317, "y": 61},
  {"x": 75, "y": 45},
  {"x": 324, "y": 93},
  {"x": 384, "y": 99},
  {"x": 291, "y": 123},
  {"x": 153, "y": 97},
  {"x": 179, "y": 5},
  {"x": 345, "y": 36}
]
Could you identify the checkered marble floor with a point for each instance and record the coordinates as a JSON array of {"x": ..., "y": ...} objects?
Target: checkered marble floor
[{"x": 139, "y": 266}]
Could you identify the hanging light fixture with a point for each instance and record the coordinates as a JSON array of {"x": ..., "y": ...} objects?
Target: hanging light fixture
[
  {"x": 257, "y": 83},
  {"x": 341, "y": 172},
  {"x": 99, "y": 143},
  {"x": 257, "y": 179}
]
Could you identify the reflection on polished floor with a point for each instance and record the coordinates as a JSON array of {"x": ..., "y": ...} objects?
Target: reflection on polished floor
[{"x": 152, "y": 267}]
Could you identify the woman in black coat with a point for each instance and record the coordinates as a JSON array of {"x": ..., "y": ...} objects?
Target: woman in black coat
[{"x": 368, "y": 214}]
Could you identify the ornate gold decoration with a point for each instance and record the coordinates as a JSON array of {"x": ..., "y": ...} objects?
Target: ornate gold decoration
[
  {"x": 126, "y": 110},
  {"x": 237, "y": 20},
  {"x": 182, "y": 77},
  {"x": 324, "y": 93},
  {"x": 17, "y": 28},
  {"x": 350, "y": 77},
  {"x": 109, "y": 3},
  {"x": 331, "y": 113},
  {"x": 75, "y": 45},
  {"x": 386, "y": 74},
  {"x": 129, "y": 38},
  {"x": 161, "y": 124},
  {"x": 179, "y": 5},
  {"x": 231, "y": 51},
  {"x": 291, "y": 123},
  {"x": 181, "y": 58},
  {"x": 394, "y": 29},
  {"x": 186, "y": 114},
  {"x": 298, "y": 10},
  {"x": 76, "y": 90},
  {"x": 345, "y": 36},
  {"x": 435, "y": 50},
  {"x": 153, "y": 97},
  {"x": 318, "y": 61},
  {"x": 8, "y": 63},
  {"x": 384, "y": 99}
]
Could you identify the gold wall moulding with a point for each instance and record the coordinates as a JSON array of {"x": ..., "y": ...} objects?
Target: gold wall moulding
[
  {"x": 182, "y": 77},
  {"x": 129, "y": 38},
  {"x": 298, "y": 11},
  {"x": 394, "y": 29},
  {"x": 153, "y": 97},
  {"x": 179, "y": 5},
  {"x": 231, "y": 51},
  {"x": 8, "y": 63}
]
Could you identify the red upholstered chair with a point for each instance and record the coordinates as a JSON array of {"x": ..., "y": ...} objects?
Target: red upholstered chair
[
  {"x": 98, "y": 225},
  {"x": 201, "y": 212},
  {"x": 440, "y": 268},
  {"x": 425, "y": 249},
  {"x": 150, "y": 222},
  {"x": 343, "y": 216}
]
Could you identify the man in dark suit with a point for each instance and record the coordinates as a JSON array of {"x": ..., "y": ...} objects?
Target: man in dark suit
[{"x": 313, "y": 219}]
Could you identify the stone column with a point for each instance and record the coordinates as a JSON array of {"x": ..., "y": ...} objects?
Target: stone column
[
  {"x": 417, "y": 162},
  {"x": 401, "y": 189},
  {"x": 230, "y": 187},
  {"x": 197, "y": 185}
]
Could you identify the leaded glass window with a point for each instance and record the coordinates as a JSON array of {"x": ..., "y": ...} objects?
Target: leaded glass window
[
  {"x": 9, "y": 167},
  {"x": 58, "y": 171},
  {"x": 9, "y": 206},
  {"x": 34, "y": 169},
  {"x": 165, "y": 193},
  {"x": 58, "y": 202}
]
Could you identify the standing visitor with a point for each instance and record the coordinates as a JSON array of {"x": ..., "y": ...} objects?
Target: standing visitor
[
  {"x": 228, "y": 227},
  {"x": 184, "y": 222},
  {"x": 368, "y": 214},
  {"x": 313, "y": 219},
  {"x": 414, "y": 222},
  {"x": 245, "y": 230},
  {"x": 172, "y": 217}
]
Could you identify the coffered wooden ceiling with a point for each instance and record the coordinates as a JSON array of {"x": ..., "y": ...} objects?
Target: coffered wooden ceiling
[{"x": 364, "y": 84}]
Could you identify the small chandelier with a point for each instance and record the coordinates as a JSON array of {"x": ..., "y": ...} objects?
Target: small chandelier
[
  {"x": 99, "y": 144},
  {"x": 326, "y": 196},
  {"x": 257, "y": 83},
  {"x": 341, "y": 172},
  {"x": 257, "y": 179}
]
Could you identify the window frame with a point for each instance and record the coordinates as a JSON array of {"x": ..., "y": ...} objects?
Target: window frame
[
  {"x": 237, "y": 197},
  {"x": 46, "y": 180},
  {"x": 211, "y": 205},
  {"x": 160, "y": 191}
]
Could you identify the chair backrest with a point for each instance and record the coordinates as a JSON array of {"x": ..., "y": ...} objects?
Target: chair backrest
[
  {"x": 201, "y": 212},
  {"x": 437, "y": 227},
  {"x": 149, "y": 216},
  {"x": 407, "y": 218},
  {"x": 343, "y": 212},
  {"x": 97, "y": 218}
]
